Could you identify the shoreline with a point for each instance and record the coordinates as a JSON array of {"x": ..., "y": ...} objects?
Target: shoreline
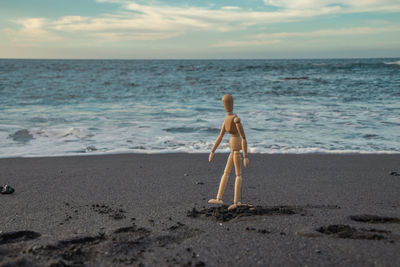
[
  {"x": 151, "y": 209},
  {"x": 335, "y": 152}
]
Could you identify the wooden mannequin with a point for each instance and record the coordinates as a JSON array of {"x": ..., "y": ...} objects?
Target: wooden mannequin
[{"x": 237, "y": 142}]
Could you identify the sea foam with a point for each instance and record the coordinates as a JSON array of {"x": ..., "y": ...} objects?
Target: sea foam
[{"x": 87, "y": 107}]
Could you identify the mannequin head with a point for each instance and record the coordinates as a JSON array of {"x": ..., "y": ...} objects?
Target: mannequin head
[{"x": 227, "y": 101}]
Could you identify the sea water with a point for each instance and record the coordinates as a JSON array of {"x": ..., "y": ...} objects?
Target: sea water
[{"x": 69, "y": 107}]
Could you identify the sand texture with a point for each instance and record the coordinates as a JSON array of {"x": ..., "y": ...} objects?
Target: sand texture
[{"x": 152, "y": 210}]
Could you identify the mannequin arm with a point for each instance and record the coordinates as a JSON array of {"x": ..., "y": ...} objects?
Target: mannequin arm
[
  {"x": 244, "y": 142},
  {"x": 217, "y": 141}
]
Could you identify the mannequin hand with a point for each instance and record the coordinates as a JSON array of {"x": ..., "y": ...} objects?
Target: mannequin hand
[
  {"x": 246, "y": 162},
  {"x": 211, "y": 156}
]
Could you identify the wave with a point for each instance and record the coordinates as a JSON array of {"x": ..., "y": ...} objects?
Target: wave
[
  {"x": 26, "y": 135},
  {"x": 392, "y": 63},
  {"x": 164, "y": 146},
  {"x": 295, "y": 78},
  {"x": 166, "y": 151}
]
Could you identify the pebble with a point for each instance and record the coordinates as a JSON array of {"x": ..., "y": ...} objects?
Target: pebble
[{"x": 6, "y": 189}]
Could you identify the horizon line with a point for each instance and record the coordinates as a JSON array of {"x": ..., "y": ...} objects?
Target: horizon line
[{"x": 148, "y": 59}]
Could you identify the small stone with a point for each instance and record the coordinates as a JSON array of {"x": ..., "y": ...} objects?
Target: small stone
[
  {"x": 199, "y": 182},
  {"x": 6, "y": 189},
  {"x": 317, "y": 251},
  {"x": 185, "y": 174}
]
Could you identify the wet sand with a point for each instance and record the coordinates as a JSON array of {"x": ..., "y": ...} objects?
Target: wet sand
[{"x": 152, "y": 210}]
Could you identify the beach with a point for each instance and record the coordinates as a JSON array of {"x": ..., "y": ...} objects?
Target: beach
[{"x": 152, "y": 210}]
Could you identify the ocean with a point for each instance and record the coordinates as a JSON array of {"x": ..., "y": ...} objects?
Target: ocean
[{"x": 79, "y": 107}]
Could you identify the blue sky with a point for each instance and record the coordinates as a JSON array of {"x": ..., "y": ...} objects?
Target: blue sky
[{"x": 199, "y": 29}]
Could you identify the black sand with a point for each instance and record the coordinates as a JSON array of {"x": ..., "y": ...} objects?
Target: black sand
[{"x": 152, "y": 210}]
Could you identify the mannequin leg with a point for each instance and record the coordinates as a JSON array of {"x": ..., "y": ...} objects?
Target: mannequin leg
[
  {"x": 237, "y": 160},
  {"x": 224, "y": 181}
]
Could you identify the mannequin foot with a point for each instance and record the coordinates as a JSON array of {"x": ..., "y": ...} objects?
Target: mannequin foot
[
  {"x": 234, "y": 206},
  {"x": 215, "y": 201}
]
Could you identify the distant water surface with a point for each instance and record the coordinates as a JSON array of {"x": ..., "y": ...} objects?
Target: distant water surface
[{"x": 68, "y": 107}]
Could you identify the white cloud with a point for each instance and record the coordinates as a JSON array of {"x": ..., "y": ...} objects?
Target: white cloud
[
  {"x": 153, "y": 20},
  {"x": 352, "y": 6},
  {"x": 31, "y": 30},
  {"x": 280, "y": 37},
  {"x": 113, "y": 37},
  {"x": 246, "y": 43},
  {"x": 330, "y": 32},
  {"x": 231, "y": 8}
]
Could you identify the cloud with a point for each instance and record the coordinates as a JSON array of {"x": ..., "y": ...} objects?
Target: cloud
[
  {"x": 330, "y": 32},
  {"x": 113, "y": 37},
  {"x": 245, "y": 43},
  {"x": 279, "y": 37},
  {"x": 348, "y": 6},
  {"x": 231, "y": 8},
  {"x": 153, "y": 20},
  {"x": 31, "y": 30}
]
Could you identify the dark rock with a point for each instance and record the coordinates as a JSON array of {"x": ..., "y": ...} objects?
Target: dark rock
[
  {"x": 6, "y": 189},
  {"x": 22, "y": 136},
  {"x": 394, "y": 173}
]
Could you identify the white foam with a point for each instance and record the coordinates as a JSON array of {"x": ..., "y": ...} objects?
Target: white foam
[
  {"x": 58, "y": 133},
  {"x": 392, "y": 63}
]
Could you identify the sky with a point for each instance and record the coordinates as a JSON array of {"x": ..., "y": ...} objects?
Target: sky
[{"x": 199, "y": 29}]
